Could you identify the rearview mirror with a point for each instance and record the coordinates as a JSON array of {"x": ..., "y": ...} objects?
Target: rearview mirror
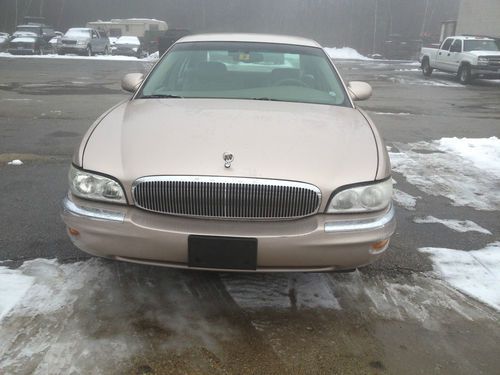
[
  {"x": 131, "y": 81},
  {"x": 359, "y": 90}
]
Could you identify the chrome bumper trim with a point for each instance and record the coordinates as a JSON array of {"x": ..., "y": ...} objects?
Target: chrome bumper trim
[
  {"x": 92, "y": 212},
  {"x": 361, "y": 225}
]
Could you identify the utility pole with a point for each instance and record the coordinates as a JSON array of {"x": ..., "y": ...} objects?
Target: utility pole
[
  {"x": 424, "y": 21},
  {"x": 16, "y": 13},
  {"x": 375, "y": 21}
]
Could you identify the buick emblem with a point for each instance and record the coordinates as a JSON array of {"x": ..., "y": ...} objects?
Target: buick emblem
[{"x": 228, "y": 159}]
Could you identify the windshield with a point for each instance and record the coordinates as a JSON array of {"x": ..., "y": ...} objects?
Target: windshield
[
  {"x": 236, "y": 70},
  {"x": 480, "y": 45},
  {"x": 82, "y": 33},
  {"x": 32, "y": 29}
]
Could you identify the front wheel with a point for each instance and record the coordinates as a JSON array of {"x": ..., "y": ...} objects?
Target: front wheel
[
  {"x": 464, "y": 75},
  {"x": 426, "y": 68}
]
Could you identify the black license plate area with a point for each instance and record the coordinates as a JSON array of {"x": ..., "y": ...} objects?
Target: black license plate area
[{"x": 234, "y": 253}]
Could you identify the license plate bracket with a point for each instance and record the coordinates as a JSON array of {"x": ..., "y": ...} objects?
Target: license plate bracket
[{"x": 236, "y": 253}]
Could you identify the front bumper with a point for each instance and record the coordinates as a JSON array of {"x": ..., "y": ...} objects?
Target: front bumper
[
  {"x": 485, "y": 71},
  {"x": 73, "y": 48},
  {"x": 316, "y": 243},
  {"x": 22, "y": 51}
]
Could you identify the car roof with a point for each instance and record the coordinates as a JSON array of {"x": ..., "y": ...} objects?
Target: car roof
[
  {"x": 250, "y": 38},
  {"x": 469, "y": 37}
]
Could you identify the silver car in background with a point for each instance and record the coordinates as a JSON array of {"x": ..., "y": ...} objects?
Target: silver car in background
[{"x": 84, "y": 41}]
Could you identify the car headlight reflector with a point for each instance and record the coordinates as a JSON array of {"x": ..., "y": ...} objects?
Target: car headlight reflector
[
  {"x": 365, "y": 198},
  {"x": 96, "y": 187}
]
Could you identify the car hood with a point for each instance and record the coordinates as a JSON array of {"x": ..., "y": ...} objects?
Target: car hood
[
  {"x": 327, "y": 146},
  {"x": 77, "y": 38}
]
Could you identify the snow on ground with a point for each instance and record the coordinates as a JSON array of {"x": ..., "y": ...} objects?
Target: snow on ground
[
  {"x": 467, "y": 171},
  {"x": 345, "y": 53},
  {"x": 461, "y": 226},
  {"x": 78, "y": 57},
  {"x": 406, "y": 80},
  {"x": 281, "y": 291},
  {"x": 475, "y": 273},
  {"x": 15, "y": 162},
  {"x": 393, "y": 113},
  {"x": 404, "y": 200},
  {"x": 98, "y": 316}
]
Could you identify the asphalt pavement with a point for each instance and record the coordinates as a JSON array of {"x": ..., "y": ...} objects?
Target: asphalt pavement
[{"x": 391, "y": 317}]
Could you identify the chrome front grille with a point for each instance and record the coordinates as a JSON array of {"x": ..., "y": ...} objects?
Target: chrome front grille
[
  {"x": 226, "y": 198},
  {"x": 494, "y": 61}
]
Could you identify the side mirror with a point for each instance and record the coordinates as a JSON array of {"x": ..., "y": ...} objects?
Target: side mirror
[
  {"x": 131, "y": 81},
  {"x": 359, "y": 90}
]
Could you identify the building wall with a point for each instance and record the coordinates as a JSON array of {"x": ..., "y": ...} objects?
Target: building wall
[{"x": 479, "y": 17}]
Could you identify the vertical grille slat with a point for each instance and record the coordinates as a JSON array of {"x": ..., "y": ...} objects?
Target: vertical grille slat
[{"x": 226, "y": 198}]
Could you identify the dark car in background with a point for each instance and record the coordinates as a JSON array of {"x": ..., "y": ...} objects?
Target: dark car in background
[
  {"x": 4, "y": 41},
  {"x": 29, "y": 45},
  {"x": 127, "y": 46},
  {"x": 44, "y": 32}
]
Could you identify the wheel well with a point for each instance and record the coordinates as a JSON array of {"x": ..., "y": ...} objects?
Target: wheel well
[{"x": 464, "y": 63}]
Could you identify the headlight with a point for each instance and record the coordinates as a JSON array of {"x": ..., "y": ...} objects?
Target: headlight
[
  {"x": 482, "y": 61},
  {"x": 81, "y": 42},
  {"x": 92, "y": 186},
  {"x": 371, "y": 197}
]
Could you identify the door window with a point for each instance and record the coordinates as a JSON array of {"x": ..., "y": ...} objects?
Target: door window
[{"x": 447, "y": 43}]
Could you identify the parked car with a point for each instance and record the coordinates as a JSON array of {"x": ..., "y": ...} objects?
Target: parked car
[
  {"x": 29, "y": 45},
  {"x": 4, "y": 41},
  {"x": 56, "y": 42},
  {"x": 223, "y": 159},
  {"x": 127, "y": 46},
  {"x": 468, "y": 57},
  {"x": 45, "y": 32},
  {"x": 84, "y": 41}
]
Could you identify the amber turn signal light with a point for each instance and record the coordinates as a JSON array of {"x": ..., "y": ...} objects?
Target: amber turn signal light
[
  {"x": 73, "y": 231},
  {"x": 379, "y": 246}
]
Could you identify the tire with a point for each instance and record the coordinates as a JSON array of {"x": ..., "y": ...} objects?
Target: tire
[
  {"x": 40, "y": 51},
  {"x": 426, "y": 68},
  {"x": 106, "y": 51},
  {"x": 464, "y": 74},
  {"x": 88, "y": 51}
]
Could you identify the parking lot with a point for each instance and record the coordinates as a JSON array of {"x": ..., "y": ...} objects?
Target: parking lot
[{"x": 429, "y": 306}]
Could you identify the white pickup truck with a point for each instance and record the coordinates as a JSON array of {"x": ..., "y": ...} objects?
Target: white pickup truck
[{"x": 468, "y": 57}]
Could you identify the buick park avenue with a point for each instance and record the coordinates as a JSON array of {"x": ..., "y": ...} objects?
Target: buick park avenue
[{"x": 236, "y": 152}]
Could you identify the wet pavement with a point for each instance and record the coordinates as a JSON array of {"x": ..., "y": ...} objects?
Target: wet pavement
[{"x": 72, "y": 314}]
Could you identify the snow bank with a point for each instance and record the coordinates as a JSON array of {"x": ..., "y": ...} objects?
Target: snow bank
[
  {"x": 13, "y": 287},
  {"x": 466, "y": 171},
  {"x": 345, "y": 53},
  {"x": 77, "y": 57},
  {"x": 475, "y": 273},
  {"x": 461, "y": 226}
]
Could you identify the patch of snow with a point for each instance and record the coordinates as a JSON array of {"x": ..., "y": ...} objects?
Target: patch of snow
[
  {"x": 393, "y": 114},
  {"x": 15, "y": 162},
  {"x": 461, "y": 226},
  {"x": 278, "y": 292},
  {"x": 13, "y": 287},
  {"x": 345, "y": 53},
  {"x": 425, "y": 82},
  {"x": 475, "y": 273},
  {"x": 466, "y": 171},
  {"x": 404, "y": 200},
  {"x": 75, "y": 57}
]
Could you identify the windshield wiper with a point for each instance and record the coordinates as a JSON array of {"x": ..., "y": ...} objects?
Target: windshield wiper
[
  {"x": 268, "y": 99},
  {"x": 160, "y": 96}
]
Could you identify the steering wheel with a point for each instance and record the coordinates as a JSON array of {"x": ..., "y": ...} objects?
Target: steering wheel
[{"x": 291, "y": 82}]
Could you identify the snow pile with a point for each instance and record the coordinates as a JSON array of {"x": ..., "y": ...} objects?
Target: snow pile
[
  {"x": 466, "y": 171},
  {"x": 13, "y": 287},
  {"x": 15, "y": 162},
  {"x": 345, "y": 53},
  {"x": 404, "y": 200},
  {"x": 461, "y": 226},
  {"x": 475, "y": 273},
  {"x": 71, "y": 57}
]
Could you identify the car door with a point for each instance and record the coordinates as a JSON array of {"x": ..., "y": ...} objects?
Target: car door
[
  {"x": 442, "y": 54},
  {"x": 96, "y": 42},
  {"x": 454, "y": 56}
]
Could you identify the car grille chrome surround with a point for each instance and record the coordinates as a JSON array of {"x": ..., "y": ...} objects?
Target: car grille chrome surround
[{"x": 226, "y": 197}]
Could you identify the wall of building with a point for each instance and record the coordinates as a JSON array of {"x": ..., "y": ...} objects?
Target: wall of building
[{"x": 479, "y": 17}]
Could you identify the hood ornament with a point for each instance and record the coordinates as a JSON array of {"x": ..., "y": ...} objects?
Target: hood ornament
[{"x": 228, "y": 159}]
